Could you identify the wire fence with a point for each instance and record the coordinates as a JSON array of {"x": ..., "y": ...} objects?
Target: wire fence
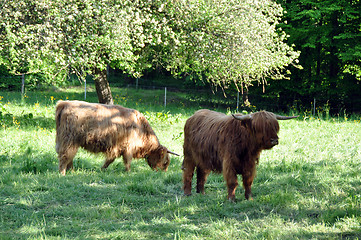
[
  {"x": 236, "y": 101},
  {"x": 233, "y": 100}
]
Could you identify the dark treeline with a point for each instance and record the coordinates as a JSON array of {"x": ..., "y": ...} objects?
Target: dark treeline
[{"x": 328, "y": 34}]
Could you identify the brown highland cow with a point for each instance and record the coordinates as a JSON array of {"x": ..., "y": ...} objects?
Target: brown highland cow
[
  {"x": 110, "y": 129},
  {"x": 226, "y": 144}
]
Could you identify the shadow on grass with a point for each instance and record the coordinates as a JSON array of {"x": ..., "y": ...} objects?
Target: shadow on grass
[
  {"x": 89, "y": 203},
  {"x": 140, "y": 204},
  {"x": 142, "y": 100},
  {"x": 356, "y": 234},
  {"x": 298, "y": 193}
]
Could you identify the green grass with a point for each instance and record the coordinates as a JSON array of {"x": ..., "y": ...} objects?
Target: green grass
[{"x": 307, "y": 187}]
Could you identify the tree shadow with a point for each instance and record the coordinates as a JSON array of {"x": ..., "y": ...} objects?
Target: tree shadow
[{"x": 119, "y": 204}]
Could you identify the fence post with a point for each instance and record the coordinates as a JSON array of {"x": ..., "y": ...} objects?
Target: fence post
[
  {"x": 136, "y": 84},
  {"x": 84, "y": 89},
  {"x": 165, "y": 97},
  {"x": 314, "y": 106},
  {"x": 22, "y": 84},
  {"x": 237, "y": 100}
]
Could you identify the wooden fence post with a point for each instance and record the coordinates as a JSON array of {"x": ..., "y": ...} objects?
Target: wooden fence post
[
  {"x": 237, "y": 100},
  {"x": 23, "y": 84},
  {"x": 314, "y": 106}
]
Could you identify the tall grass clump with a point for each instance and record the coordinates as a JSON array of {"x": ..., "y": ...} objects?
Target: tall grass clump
[{"x": 307, "y": 187}]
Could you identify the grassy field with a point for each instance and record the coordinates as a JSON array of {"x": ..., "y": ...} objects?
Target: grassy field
[{"x": 307, "y": 187}]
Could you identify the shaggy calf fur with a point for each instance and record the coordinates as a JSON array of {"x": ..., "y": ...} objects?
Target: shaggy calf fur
[
  {"x": 110, "y": 129},
  {"x": 226, "y": 144}
]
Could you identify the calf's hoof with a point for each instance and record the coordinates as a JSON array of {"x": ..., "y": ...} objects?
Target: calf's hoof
[
  {"x": 249, "y": 197},
  {"x": 232, "y": 199}
]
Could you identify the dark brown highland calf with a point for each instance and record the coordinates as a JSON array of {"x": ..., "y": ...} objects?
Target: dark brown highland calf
[
  {"x": 226, "y": 144},
  {"x": 110, "y": 129}
]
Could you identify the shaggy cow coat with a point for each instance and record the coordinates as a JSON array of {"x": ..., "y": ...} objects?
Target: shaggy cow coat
[
  {"x": 225, "y": 144},
  {"x": 110, "y": 129}
]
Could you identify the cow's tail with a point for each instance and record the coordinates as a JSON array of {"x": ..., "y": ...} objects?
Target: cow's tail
[{"x": 58, "y": 112}]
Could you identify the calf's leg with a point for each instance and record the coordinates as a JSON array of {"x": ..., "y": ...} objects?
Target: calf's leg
[
  {"x": 69, "y": 166},
  {"x": 232, "y": 184},
  {"x": 127, "y": 158},
  {"x": 188, "y": 171},
  {"x": 201, "y": 179},
  {"x": 230, "y": 176},
  {"x": 107, "y": 162},
  {"x": 248, "y": 178}
]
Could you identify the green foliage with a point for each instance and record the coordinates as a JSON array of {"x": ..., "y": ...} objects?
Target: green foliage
[
  {"x": 53, "y": 37},
  {"x": 307, "y": 187},
  {"x": 224, "y": 42}
]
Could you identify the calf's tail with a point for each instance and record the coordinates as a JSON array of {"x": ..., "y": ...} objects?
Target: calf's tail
[{"x": 58, "y": 112}]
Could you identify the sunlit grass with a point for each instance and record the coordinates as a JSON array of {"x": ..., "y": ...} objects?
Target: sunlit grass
[{"x": 307, "y": 187}]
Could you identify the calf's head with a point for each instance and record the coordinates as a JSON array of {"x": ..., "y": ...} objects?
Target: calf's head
[
  {"x": 159, "y": 158},
  {"x": 263, "y": 126}
]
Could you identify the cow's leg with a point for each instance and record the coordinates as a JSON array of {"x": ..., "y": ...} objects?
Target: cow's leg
[
  {"x": 66, "y": 156},
  {"x": 107, "y": 162},
  {"x": 188, "y": 171},
  {"x": 127, "y": 158},
  {"x": 247, "y": 182},
  {"x": 201, "y": 179}
]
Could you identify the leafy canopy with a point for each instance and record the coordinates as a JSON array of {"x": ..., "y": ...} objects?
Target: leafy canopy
[{"x": 219, "y": 41}]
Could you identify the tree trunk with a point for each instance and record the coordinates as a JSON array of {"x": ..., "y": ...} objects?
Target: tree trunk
[
  {"x": 102, "y": 87},
  {"x": 245, "y": 98}
]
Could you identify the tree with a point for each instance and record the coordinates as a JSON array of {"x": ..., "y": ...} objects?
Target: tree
[
  {"x": 222, "y": 42},
  {"x": 84, "y": 36}
]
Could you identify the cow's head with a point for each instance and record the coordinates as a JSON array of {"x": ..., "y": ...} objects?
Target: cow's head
[
  {"x": 264, "y": 126},
  {"x": 159, "y": 158}
]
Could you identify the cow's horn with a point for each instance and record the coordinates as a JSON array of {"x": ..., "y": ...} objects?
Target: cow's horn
[
  {"x": 242, "y": 117},
  {"x": 172, "y": 153},
  {"x": 278, "y": 117}
]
